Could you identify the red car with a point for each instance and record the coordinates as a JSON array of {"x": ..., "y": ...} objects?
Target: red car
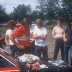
[{"x": 7, "y": 63}]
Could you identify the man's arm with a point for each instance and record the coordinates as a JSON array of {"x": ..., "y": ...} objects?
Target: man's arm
[
  {"x": 44, "y": 37},
  {"x": 13, "y": 40},
  {"x": 53, "y": 33},
  {"x": 7, "y": 40},
  {"x": 15, "y": 43},
  {"x": 2, "y": 38},
  {"x": 35, "y": 36},
  {"x": 64, "y": 37},
  {"x": 13, "y": 36}
]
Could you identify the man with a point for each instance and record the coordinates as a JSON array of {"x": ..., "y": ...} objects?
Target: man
[
  {"x": 40, "y": 36},
  {"x": 22, "y": 34},
  {"x": 68, "y": 42},
  {"x": 58, "y": 33}
]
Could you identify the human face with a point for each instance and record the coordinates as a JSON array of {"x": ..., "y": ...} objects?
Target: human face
[
  {"x": 39, "y": 23},
  {"x": 59, "y": 23},
  {"x": 11, "y": 26},
  {"x": 26, "y": 21}
]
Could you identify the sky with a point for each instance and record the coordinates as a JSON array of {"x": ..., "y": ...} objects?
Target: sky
[{"x": 9, "y": 4}]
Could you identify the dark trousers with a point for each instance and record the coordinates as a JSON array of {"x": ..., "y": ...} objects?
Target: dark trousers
[
  {"x": 14, "y": 51},
  {"x": 27, "y": 50},
  {"x": 66, "y": 50},
  {"x": 42, "y": 50},
  {"x": 59, "y": 44}
]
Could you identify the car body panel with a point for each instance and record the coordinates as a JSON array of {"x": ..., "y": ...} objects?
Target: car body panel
[
  {"x": 7, "y": 63},
  {"x": 10, "y": 69}
]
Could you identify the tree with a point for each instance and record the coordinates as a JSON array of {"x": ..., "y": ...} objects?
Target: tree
[
  {"x": 21, "y": 11},
  {"x": 3, "y": 16},
  {"x": 67, "y": 9},
  {"x": 50, "y": 8},
  {"x": 54, "y": 8},
  {"x": 36, "y": 14}
]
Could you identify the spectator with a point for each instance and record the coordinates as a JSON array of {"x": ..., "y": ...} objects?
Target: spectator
[
  {"x": 40, "y": 36},
  {"x": 11, "y": 28},
  {"x": 58, "y": 33},
  {"x": 22, "y": 33},
  {"x": 68, "y": 41}
]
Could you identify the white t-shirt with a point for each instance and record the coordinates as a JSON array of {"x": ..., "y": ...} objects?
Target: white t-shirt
[
  {"x": 40, "y": 31},
  {"x": 8, "y": 33}
]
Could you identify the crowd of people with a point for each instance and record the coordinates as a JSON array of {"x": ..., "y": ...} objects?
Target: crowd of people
[{"x": 21, "y": 38}]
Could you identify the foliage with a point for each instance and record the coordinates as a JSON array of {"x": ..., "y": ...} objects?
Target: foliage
[
  {"x": 46, "y": 9},
  {"x": 67, "y": 8},
  {"x": 20, "y": 12},
  {"x": 49, "y": 7},
  {"x": 3, "y": 15},
  {"x": 36, "y": 14},
  {"x": 56, "y": 8}
]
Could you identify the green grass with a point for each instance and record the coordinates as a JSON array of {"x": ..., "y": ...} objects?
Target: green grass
[{"x": 3, "y": 30}]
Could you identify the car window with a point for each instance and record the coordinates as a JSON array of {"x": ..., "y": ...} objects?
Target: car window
[{"x": 4, "y": 62}]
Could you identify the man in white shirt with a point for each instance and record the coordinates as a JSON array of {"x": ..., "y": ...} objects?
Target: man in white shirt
[{"x": 40, "y": 36}]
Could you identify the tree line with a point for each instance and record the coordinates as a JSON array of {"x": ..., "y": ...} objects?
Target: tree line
[{"x": 46, "y": 9}]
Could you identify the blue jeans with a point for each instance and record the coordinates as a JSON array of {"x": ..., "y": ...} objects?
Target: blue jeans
[
  {"x": 66, "y": 50},
  {"x": 43, "y": 50}
]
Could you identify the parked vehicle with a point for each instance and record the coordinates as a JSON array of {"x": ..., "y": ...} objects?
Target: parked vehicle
[{"x": 7, "y": 63}]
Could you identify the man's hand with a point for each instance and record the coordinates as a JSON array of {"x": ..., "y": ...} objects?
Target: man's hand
[
  {"x": 65, "y": 39},
  {"x": 20, "y": 46},
  {"x": 44, "y": 37},
  {"x": 31, "y": 40},
  {"x": 7, "y": 44}
]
